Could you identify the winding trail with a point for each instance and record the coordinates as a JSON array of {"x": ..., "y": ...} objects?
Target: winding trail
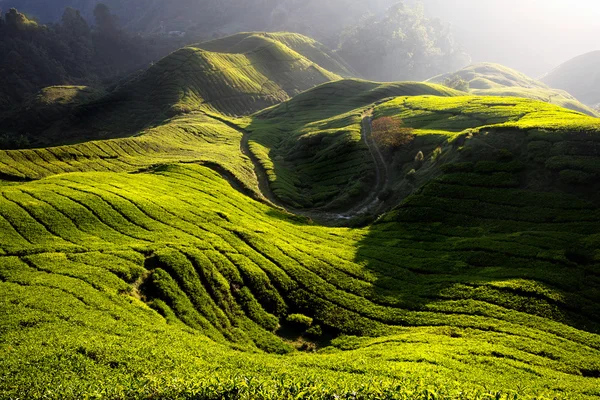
[
  {"x": 381, "y": 168},
  {"x": 319, "y": 214}
]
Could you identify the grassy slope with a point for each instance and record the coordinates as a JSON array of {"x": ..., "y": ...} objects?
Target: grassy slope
[
  {"x": 487, "y": 79},
  {"x": 311, "y": 146},
  {"x": 309, "y": 48},
  {"x": 169, "y": 282},
  {"x": 486, "y": 304},
  {"x": 257, "y": 74},
  {"x": 192, "y": 138},
  {"x": 578, "y": 76}
]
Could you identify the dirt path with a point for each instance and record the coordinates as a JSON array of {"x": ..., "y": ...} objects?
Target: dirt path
[
  {"x": 264, "y": 185},
  {"x": 381, "y": 168}
]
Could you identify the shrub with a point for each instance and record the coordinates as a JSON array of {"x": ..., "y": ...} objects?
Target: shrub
[
  {"x": 456, "y": 82},
  {"x": 420, "y": 157},
  {"x": 315, "y": 331},
  {"x": 436, "y": 154},
  {"x": 390, "y": 133},
  {"x": 299, "y": 320},
  {"x": 411, "y": 174},
  {"x": 573, "y": 177}
]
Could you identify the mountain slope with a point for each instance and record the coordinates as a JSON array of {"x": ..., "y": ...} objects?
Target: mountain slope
[
  {"x": 157, "y": 281},
  {"x": 309, "y": 48},
  {"x": 488, "y": 79},
  {"x": 236, "y": 82},
  {"x": 578, "y": 76}
]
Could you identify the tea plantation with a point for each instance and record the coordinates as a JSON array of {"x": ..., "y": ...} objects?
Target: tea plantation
[
  {"x": 285, "y": 255},
  {"x": 489, "y": 79}
]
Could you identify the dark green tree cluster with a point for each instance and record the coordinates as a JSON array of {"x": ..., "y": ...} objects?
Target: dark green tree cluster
[
  {"x": 403, "y": 45},
  {"x": 33, "y": 56},
  {"x": 456, "y": 82}
]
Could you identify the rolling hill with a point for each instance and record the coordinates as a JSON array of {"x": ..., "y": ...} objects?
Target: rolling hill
[
  {"x": 488, "y": 79},
  {"x": 237, "y": 76},
  {"x": 286, "y": 254},
  {"x": 578, "y": 76}
]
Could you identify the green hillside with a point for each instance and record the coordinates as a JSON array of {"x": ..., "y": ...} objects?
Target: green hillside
[
  {"x": 488, "y": 79},
  {"x": 578, "y": 76},
  {"x": 312, "y": 147},
  {"x": 307, "y": 47},
  {"x": 156, "y": 266},
  {"x": 260, "y": 72}
]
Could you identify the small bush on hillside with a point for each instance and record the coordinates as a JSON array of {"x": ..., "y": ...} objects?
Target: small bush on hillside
[
  {"x": 299, "y": 320},
  {"x": 456, "y": 82},
  {"x": 419, "y": 159},
  {"x": 436, "y": 154},
  {"x": 314, "y": 331},
  {"x": 390, "y": 133},
  {"x": 411, "y": 175}
]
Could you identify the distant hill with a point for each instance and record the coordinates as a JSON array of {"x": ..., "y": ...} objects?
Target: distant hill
[
  {"x": 231, "y": 76},
  {"x": 489, "y": 79},
  {"x": 579, "y": 76}
]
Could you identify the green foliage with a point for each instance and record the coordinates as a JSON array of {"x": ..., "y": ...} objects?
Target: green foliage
[
  {"x": 404, "y": 45},
  {"x": 299, "y": 320},
  {"x": 140, "y": 268}
]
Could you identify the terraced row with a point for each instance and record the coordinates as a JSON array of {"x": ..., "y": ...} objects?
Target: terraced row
[
  {"x": 199, "y": 252},
  {"x": 194, "y": 138}
]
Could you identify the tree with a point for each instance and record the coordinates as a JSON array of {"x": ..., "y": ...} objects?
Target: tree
[
  {"x": 456, "y": 82},
  {"x": 105, "y": 21},
  {"x": 74, "y": 23},
  {"x": 15, "y": 21},
  {"x": 390, "y": 133},
  {"x": 403, "y": 45}
]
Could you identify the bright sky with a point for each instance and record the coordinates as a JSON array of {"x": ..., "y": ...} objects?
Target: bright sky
[{"x": 531, "y": 35}]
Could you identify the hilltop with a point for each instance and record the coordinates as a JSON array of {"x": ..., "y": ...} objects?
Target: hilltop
[
  {"x": 488, "y": 79},
  {"x": 198, "y": 257},
  {"x": 578, "y": 76},
  {"x": 230, "y": 76}
]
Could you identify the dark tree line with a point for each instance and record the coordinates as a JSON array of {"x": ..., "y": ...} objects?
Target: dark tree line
[{"x": 33, "y": 56}]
